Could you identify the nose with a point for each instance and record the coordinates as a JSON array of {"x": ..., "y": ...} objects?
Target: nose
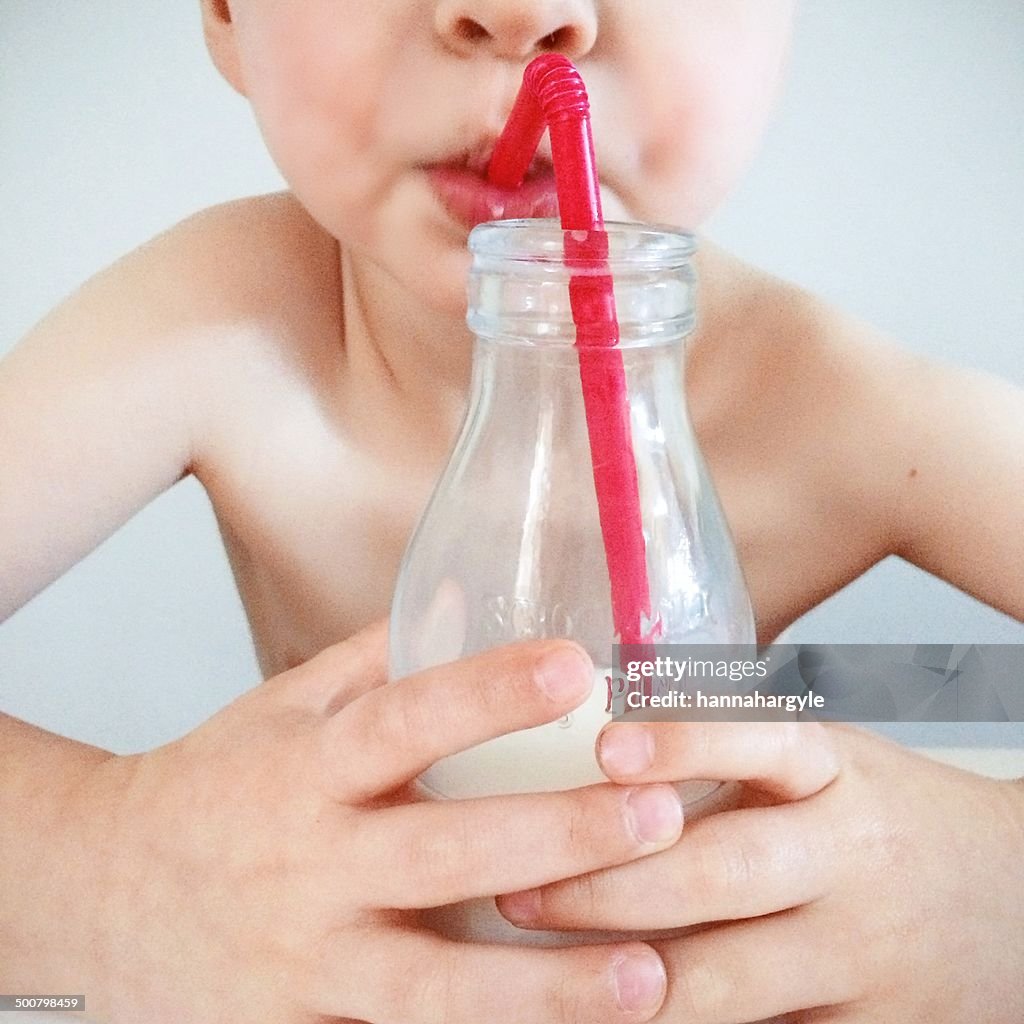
[{"x": 517, "y": 29}]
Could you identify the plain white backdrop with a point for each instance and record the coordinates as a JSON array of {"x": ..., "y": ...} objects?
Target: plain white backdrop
[{"x": 891, "y": 183}]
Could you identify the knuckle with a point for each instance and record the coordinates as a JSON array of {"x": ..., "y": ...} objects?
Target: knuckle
[
  {"x": 726, "y": 866},
  {"x": 430, "y": 999},
  {"x": 385, "y": 721},
  {"x": 587, "y": 895},
  {"x": 703, "y": 989},
  {"x": 486, "y": 699},
  {"x": 434, "y": 856},
  {"x": 578, "y": 836},
  {"x": 402, "y": 719},
  {"x": 676, "y": 892},
  {"x": 847, "y": 973},
  {"x": 857, "y": 958},
  {"x": 786, "y": 741},
  {"x": 315, "y": 968},
  {"x": 707, "y": 878},
  {"x": 328, "y": 759},
  {"x": 518, "y": 675},
  {"x": 564, "y": 1004},
  {"x": 701, "y": 744}
]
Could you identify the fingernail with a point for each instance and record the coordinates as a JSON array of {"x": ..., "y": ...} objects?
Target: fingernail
[
  {"x": 565, "y": 675},
  {"x": 521, "y": 907},
  {"x": 655, "y": 813},
  {"x": 627, "y": 749},
  {"x": 640, "y": 982}
]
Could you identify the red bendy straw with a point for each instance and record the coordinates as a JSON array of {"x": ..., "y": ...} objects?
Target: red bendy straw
[{"x": 553, "y": 96}]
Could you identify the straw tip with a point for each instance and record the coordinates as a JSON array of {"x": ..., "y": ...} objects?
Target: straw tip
[
  {"x": 558, "y": 87},
  {"x": 546, "y": 61}
]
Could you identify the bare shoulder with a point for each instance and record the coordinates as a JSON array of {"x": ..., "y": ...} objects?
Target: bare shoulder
[
  {"x": 250, "y": 289},
  {"x": 246, "y": 255},
  {"x": 807, "y": 416},
  {"x": 835, "y": 445},
  {"x": 811, "y": 380},
  {"x": 114, "y": 395}
]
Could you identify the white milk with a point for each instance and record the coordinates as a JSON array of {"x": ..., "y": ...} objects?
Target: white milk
[{"x": 557, "y": 756}]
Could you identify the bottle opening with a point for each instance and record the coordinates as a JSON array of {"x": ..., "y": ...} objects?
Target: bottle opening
[{"x": 519, "y": 282}]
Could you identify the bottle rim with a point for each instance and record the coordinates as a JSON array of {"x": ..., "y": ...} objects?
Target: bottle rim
[
  {"x": 519, "y": 282},
  {"x": 632, "y": 246}
]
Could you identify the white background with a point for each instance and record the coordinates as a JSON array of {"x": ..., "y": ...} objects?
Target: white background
[{"x": 892, "y": 183}]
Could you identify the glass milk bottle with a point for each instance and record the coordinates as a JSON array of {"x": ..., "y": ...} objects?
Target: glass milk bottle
[{"x": 510, "y": 545}]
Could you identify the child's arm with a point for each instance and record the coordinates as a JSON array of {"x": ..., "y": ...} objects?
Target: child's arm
[
  {"x": 97, "y": 414},
  {"x": 925, "y": 457},
  {"x": 962, "y": 511},
  {"x": 96, "y": 419},
  {"x": 52, "y": 862}
]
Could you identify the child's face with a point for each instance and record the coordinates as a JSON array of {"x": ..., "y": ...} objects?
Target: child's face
[{"x": 373, "y": 108}]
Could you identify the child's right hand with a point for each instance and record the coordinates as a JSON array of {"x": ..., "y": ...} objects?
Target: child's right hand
[{"x": 268, "y": 866}]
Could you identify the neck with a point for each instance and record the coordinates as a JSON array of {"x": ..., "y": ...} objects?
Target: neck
[
  {"x": 412, "y": 362},
  {"x": 410, "y": 366}
]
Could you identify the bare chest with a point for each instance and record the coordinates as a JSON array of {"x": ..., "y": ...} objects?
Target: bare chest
[
  {"x": 315, "y": 536},
  {"x": 315, "y": 545}
]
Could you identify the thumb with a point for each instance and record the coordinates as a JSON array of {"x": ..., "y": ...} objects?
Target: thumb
[{"x": 339, "y": 673}]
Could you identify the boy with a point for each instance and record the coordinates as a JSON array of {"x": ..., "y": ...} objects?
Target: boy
[{"x": 304, "y": 356}]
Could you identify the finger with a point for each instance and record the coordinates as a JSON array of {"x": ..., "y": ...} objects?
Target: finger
[
  {"x": 791, "y": 760},
  {"x": 732, "y": 865},
  {"x": 752, "y": 970},
  {"x": 403, "y": 976},
  {"x": 387, "y": 737},
  {"x": 437, "y": 852},
  {"x": 339, "y": 673}
]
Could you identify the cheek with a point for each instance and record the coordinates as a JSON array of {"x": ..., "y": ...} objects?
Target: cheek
[
  {"x": 313, "y": 93},
  {"x": 706, "y": 118}
]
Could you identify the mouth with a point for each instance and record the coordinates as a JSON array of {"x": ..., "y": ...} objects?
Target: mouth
[{"x": 460, "y": 184}]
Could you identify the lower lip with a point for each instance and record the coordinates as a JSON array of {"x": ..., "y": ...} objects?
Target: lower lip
[{"x": 471, "y": 200}]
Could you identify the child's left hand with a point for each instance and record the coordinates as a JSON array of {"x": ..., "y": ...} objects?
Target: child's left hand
[{"x": 857, "y": 882}]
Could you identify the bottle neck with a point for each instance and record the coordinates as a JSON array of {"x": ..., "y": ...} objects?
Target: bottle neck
[{"x": 534, "y": 393}]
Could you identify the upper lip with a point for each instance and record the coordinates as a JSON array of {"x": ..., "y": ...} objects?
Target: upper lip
[{"x": 476, "y": 159}]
